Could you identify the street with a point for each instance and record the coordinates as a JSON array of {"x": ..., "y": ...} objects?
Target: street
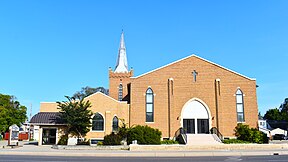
[{"x": 29, "y": 158}]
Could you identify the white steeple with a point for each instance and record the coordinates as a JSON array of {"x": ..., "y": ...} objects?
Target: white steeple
[{"x": 121, "y": 65}]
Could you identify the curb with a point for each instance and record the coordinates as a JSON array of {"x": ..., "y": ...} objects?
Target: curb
[{"x": 125, "y": 153}]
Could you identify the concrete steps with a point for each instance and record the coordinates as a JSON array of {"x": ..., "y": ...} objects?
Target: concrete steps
[{"x": 203, "y": 139}]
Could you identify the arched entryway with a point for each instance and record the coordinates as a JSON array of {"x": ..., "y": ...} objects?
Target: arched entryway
[{"x": 196, "y": 117}]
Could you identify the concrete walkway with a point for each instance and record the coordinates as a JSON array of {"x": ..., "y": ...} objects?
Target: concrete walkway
[{"x": 48, "y": 151}]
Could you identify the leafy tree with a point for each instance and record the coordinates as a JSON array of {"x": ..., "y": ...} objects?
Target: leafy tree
[
  {"x": 87, "y": 91},
  {"x": 76, "y": 115},
  {"x": 273, "y": 114},
  {"x": 284, "y": 106},
  {"x": 280, "y": 113},
  {"x": 11, "y": 112}
]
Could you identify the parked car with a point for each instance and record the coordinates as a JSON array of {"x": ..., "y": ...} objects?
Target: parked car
[{"x": 279, "y": 137}]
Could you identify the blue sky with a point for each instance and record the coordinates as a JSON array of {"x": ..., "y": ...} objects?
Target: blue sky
[{"x": 49, "y": 49}]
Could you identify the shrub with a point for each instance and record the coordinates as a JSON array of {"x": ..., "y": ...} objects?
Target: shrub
[
  {"x": 258, "y": 136},
  {"x": 112, "y": 139},
  {"x": 63, "y": 140},
  {"x": 229, "y": 141},
  {"x": 83, "y": 142},
  {"x": 169, "y": 142},
  {"x": 252, "y": 135},
  {"x": 243, "y": 132},
  {"x": 144, "y": 135},
  {"x": 100, "y": 143}
]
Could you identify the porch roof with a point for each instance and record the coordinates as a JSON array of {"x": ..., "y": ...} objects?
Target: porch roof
[{"x": 47, "y": 118}]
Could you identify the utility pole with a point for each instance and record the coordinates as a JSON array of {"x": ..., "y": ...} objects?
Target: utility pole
[
  {"x": 30, "y": 112},
  {"x": 29, "y": 126}
]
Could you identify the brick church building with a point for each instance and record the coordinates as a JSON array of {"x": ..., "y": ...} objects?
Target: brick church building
[{"x": 190, "y": 93}]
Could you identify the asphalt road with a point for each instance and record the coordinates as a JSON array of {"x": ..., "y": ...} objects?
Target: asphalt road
[{"x": 23, "y": 158}]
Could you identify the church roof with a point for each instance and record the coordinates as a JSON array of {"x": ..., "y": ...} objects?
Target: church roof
[
  {"x": 47, "y": 118},
  {"x": 102, "y": 94},
  {"x": 121, "y": 64},
  {"x": 193, "y": 55}
]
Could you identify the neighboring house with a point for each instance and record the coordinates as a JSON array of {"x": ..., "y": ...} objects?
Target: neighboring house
[
  {"x": 191, "y": 93},
  {"x": 272, "y": 127}
]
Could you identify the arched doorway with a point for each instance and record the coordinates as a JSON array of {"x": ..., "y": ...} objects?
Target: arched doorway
[{"x": 196, "y": 117}]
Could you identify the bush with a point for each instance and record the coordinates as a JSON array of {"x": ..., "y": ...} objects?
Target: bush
[
  {"x": 229, "y": 141},
  {"x": 252, "y": 135},
  {"x": 112, "y": 139},
  {"x": 100, "y": 143},
  {"x": 63, "y": 140},
  {"x": 83, "y": 142},
  {"x": 144, "y": 135},
  {"x": 169, "y": 142}
]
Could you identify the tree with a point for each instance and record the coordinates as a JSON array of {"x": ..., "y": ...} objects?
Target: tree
[
  {"x": 284, "y": 106},
  {"x": 87, "y": 91},
  {"x": 273, "y": 114},
  {"x": 76, "y": 114},
  {"x": 11, "y": 112},
  {"x": 280, "y": 113}
]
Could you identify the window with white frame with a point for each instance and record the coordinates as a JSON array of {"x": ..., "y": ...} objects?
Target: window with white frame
[
  {"x": 115, "y": 124},
  {"x": 120, "y": 92},
  {"x": 149, "y": 105},
  {"x": 240, "y": 106}
]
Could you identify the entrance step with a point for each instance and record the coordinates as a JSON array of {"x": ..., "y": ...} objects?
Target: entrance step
[{"x": 203, "y": 139}]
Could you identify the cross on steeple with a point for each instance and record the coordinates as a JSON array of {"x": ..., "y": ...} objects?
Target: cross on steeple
[{"x": 195, "y": 73}]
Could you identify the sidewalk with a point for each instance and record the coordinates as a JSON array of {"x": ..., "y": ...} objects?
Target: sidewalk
[{"x": 48, "y": 151}]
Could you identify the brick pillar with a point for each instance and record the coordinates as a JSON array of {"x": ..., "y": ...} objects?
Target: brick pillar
[
  {"x": 108, "y": 123},
  {"x": 40, "y": 136}
]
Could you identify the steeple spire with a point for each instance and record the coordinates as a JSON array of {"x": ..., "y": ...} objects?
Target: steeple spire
[{"x": 121, "y": 65}]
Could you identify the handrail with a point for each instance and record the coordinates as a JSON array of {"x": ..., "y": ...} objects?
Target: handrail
[
  {"x": 214, "y": 130},
  {"x": 181, "y": 136}
]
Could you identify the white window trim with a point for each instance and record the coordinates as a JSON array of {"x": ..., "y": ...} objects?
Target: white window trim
[{"x": 235, "y": 95}]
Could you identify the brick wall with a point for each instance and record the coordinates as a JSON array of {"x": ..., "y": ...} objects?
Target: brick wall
[
  {"x": 114, "y": 81},
  {"x": 184, "y": 89},
  {"x": 108, "y": 108}
]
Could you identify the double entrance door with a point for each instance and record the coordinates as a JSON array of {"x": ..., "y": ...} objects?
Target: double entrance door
[
  {"x": 196, "y": 126},
  {"x": 49, "y": 136}
]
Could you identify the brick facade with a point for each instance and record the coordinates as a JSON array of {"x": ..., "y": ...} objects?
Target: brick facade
[
  {"x": 102, "y": 104},
  {"x": 174, "y": 85},
  {"x": 115, "y": 79}
]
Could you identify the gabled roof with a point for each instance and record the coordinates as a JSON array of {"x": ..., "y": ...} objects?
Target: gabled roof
[
  {"x": 282, "y": 124},
  {"x": 100, "y": 93},
  {"x": 47, "y": 118},
  {"x": 193, "y": 55}
]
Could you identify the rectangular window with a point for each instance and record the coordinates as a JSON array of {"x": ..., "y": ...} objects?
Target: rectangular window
[
  {"x": 239, "y": 99},
  {"x": 240, "y": 117},
  {"x": 149, "y": 116},
  {"x": 239, "y": 107},
  {"x": 149, "y": 108}
]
